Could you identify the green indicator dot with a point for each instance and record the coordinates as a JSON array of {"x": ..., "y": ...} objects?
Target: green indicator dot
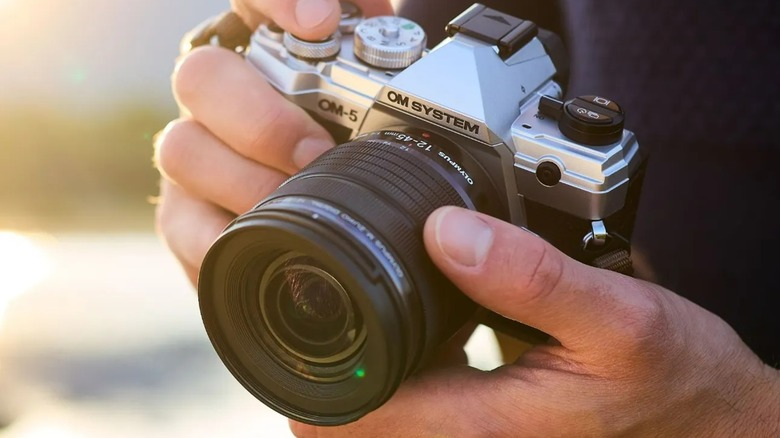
[
  {"x": 360, "y": 373},
  {"x": 77, "y": 76},
  {"x": 408, "y": 26}
]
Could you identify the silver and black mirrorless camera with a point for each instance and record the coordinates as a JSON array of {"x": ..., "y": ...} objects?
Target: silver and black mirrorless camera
[{"x": 322, "y": 299}]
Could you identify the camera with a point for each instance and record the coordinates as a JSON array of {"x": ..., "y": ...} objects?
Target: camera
[{"x": 321, "y": 300}]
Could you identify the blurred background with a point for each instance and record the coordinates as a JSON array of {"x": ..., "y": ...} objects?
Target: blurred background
[{"x": 100, "y": 334}]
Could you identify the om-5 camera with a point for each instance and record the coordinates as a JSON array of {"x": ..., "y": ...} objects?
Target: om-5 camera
[{"x": 322, "y": 299}]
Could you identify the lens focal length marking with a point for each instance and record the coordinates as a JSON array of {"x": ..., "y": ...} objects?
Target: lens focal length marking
[
  {"x": 427, "y": 147},
  {"x": 426, "y": 144}
]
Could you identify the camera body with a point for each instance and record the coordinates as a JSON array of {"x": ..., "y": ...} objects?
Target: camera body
[
  {"x": 322, "y": 299},
  {"x": 579, "y": 194}
]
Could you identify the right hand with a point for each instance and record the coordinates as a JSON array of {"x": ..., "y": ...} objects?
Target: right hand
[{"x": 237, "y": 139}]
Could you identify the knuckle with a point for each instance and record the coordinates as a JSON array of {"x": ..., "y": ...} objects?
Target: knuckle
[
  {"x": 542, "y": 272},
  {"x": 271, "y": 122},
  {"x": 645, "y": 324},
  {"x": 193, "y": 69},
  {"x": 173, "y": 148},
  {"x": 262, "y": 188},
  {"x": 164, "y": 226},
  {"x": 164, "y": 220}
]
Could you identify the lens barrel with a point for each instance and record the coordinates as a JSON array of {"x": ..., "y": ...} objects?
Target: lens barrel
[{"x": 322, "y": 299}]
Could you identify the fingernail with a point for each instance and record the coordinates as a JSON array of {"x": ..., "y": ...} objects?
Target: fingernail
[
  {"x": 309, "y": 149},
  {"x": 312, "y": 13},
  {"x": 463, "y": 236}
]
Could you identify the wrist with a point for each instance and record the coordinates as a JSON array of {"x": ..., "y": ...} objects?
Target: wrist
[
  {"x": 739, "y": 397},
  {"x": 763, "y": 405},
  {"x": 754, "y": 407}
]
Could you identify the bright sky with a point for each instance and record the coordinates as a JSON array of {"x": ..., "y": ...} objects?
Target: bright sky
[{"x": 78, "y": 52}]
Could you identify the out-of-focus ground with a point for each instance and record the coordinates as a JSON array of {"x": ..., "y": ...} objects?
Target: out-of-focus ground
[{"x": 110, "y": 344}]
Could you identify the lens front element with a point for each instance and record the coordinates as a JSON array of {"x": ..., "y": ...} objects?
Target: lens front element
[
  {"x": 322, "y": 299},
  {"x": 308, "y": 312}
]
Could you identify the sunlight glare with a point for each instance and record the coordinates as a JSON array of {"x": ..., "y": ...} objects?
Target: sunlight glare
[
  {"x": 23, "y": 264},
  {"x": 43, "y": 428}
]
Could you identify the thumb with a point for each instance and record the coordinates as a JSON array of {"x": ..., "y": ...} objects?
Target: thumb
[
  {"x": 307, "y": 19},
  {"x": 522, "y": 277}
]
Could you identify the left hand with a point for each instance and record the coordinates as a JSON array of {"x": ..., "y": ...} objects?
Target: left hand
[
  {"x": 632, "y": 359},
  {"x": 237, "y": 138}
]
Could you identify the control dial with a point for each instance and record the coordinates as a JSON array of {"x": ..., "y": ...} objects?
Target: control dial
[
  {"x": 389, "y": 42},
  {"x": 313, "y": 50}
]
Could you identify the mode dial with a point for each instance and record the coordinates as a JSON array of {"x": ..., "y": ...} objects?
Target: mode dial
[{"x": 389, "y": 42}]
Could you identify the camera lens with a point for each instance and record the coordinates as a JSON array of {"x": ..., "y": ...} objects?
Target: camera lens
[
  {"x": 322, "y": 299},
  {"x": 308, "y": 311}
]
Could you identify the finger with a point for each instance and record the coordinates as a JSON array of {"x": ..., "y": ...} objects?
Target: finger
[
  {"x": 193, "y": 158},
  {"x": 373, "y": 8},
  {"x": 522, "y": 277},
  {"x": 233, "y": 101},
  {"x": 437, "y": 403},
  {"x": 308, "y": 19},
  {"x": 188, "y": 226}
]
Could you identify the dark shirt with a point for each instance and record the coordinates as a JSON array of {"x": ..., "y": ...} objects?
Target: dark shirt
[{"x": 700, "y": 82}]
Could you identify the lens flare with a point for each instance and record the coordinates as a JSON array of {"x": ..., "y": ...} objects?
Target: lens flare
[{"x": 23, "y": 264}]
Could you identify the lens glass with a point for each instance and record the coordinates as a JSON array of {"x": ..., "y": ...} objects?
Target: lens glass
[
  {"x": 312, "y": 307},
  {"x": 308, "y": 311}
]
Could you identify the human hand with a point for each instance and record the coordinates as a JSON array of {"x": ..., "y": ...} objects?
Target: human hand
[
  {"x": 237, "y": 139},
  {"x": 307, "y": 19},
  {"x": 631, "y": 358}
]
